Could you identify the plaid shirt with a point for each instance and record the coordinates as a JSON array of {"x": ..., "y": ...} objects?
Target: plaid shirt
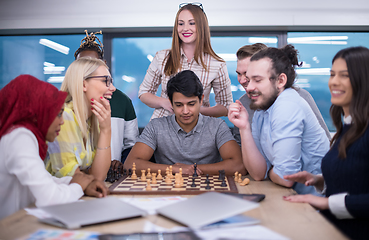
[
  {"x": 216, "y": 77},
  {"x": 68, "y": 151}
]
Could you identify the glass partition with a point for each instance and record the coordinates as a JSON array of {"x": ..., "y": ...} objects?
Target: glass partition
[
  {"x": 46, "y": 57},
  {"x": 316, "y": 51}
]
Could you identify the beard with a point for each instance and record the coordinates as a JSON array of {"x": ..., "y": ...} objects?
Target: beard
[{"x": 267, "y": 102}]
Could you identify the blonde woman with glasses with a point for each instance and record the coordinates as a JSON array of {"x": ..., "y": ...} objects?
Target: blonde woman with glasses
[
  {"x": 191, "y": 50},
  {"x": 84, "y": 139}
]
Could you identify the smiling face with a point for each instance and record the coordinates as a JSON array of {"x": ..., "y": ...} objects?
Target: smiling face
[
  {"x": 242, "y": 66},
  {"x": 261, "y": 90},
  {"x": 340, "y": 85},
  {"x": 186, "y": 27},
  {"x": 54, "y": 128},
  {"x": 96, "y": 87},
  {"x": 187, "y": 110}
]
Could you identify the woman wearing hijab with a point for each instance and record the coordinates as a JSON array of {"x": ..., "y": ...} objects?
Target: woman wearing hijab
[{"x": 31, "y": 114}]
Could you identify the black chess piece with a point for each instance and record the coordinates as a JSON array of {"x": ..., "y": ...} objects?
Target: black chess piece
[
  {"x": 193, "y": 182},
  {"x": 220, "y": 175},
  {"x": 108, "y": 176},
  {"x": 223, "y": 184},
  {"x": 195, "y": 170},
  {"x": 207, "y": 179},
  {"x": 124, "y": 172},
  {"x": 208, "y": 186},
  {"x": 129, "y": 172},
  {"x": 116, "y": 175}
]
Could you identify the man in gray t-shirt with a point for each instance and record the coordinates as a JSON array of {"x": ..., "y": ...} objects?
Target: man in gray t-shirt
[{"x": 187, "y": 137}]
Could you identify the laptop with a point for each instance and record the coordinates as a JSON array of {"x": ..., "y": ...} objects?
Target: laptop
[
  {"x": 202, "y": 210},
  {"x": 77, "y": 214}
]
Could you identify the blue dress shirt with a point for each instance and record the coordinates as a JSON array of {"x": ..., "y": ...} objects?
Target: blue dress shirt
[{"x": 290, "y": 138}]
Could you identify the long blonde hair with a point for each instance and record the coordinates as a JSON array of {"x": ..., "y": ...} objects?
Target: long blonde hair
[
  {"x": 78, "y": 71},
  {"x": 203, "y": 45}
]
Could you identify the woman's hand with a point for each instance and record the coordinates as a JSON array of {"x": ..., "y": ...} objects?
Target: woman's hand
[
  {"x": 96, "y": 189},
  {"x": 82, "y": 179},
  {"x": 304, "y": 177},
  {"x": 167, "y": 105},
  {"x": 320, "y": 203},
  {"x": 101, "y": 109}
]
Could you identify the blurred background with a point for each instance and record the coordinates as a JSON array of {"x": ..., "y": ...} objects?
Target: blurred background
[{"x": 40, "y": 37}]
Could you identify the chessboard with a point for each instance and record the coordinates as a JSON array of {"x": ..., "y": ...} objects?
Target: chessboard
[{"x": 127, "y": 185}]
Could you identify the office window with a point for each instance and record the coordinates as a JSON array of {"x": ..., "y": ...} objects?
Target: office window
[
  {"x": 316, "y": 51},
  {"x": 132, "y": 56},
  {"x": 45, "y": 57}
]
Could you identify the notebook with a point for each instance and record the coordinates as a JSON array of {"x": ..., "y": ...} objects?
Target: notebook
[
  {"x": 77, "y": 214},
  {"x": 204, "y": 209}
]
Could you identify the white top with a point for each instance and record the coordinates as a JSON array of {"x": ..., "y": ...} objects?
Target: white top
[{"x": 24, "y": 179}]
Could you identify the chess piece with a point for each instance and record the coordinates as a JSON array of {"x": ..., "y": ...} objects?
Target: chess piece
[
  {"x": 239, "y": 178},
  {"x": 180, "y": 171},
  {"x": 153, "y": 180},
  {"x": 168, "y": 180},
  {"x": 195, "y": 170},
  {"x": 170, "y": 171},
  {"x": 148, "y": 186},
  {"x": 207, "y": 179},
  {"x": 160, "y": 177},
  {"x": 223, "y": 184},
  {"x": 143, "y": 177},
  {"x": 177, "y": 181},
  {"x": 148, "y": 173},
  {"x": 193, "y": 182},
  {"x": 124, "y": 172},
  {"x": 245, "y": 182},
  {"x": 167, "y": 172},
  {"x": 221, "y": 174},
  {"x": 129, "y": 172},
  {"x": 133, "y": 175},
  {"x": 208, "y": 186},
  {"x": 236, "y": 177}
]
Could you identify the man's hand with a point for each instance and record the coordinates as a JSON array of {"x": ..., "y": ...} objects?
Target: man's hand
[
  {"x": 115, "y": 165},
  {"x": 238, "y": 115},
  {"x": 186, "y": 169},
  {"x": 97, "y": 189},
  {"x": 320, "y": 203}
]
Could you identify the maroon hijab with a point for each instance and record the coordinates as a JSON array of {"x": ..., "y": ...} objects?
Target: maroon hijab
[{"x": 30, "y": 103}]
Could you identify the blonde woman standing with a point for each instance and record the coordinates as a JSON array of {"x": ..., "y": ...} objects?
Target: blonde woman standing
[
  {"x": 84, "y": 140},
  {"x": 191, "y": 50}
]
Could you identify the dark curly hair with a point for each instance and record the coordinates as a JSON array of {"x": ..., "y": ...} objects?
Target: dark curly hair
[{"x": 89, "y": 43}]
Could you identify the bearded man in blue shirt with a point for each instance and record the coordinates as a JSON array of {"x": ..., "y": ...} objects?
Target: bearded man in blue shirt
[{"x": 286, "y": 137}]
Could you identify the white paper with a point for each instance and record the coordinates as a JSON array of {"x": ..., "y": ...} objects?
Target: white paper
[{"x": 151, "y": 204}]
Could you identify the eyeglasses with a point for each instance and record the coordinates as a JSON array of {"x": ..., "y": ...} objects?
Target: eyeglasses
[
  {"x": 108, "y": 80},
  {"x": 194, "y": 3}
]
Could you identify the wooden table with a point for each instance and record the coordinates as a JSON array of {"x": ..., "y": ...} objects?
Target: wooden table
[{"x": 293, "y": 220}]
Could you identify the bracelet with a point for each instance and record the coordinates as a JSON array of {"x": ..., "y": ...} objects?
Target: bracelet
[{"x": 103, "y": 148}]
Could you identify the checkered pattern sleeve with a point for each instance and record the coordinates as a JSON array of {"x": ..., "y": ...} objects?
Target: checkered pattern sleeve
[
  {"x": 153, "y": 77},
  {"x": 222, "y": 87}
]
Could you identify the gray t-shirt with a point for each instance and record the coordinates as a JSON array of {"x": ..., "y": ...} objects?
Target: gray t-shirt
[
  {"x": 171, "y": 144},
  {"x": 245, "y": 100}
]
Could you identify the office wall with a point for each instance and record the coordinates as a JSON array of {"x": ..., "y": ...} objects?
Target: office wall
[{"x": 38, "y": 16}]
